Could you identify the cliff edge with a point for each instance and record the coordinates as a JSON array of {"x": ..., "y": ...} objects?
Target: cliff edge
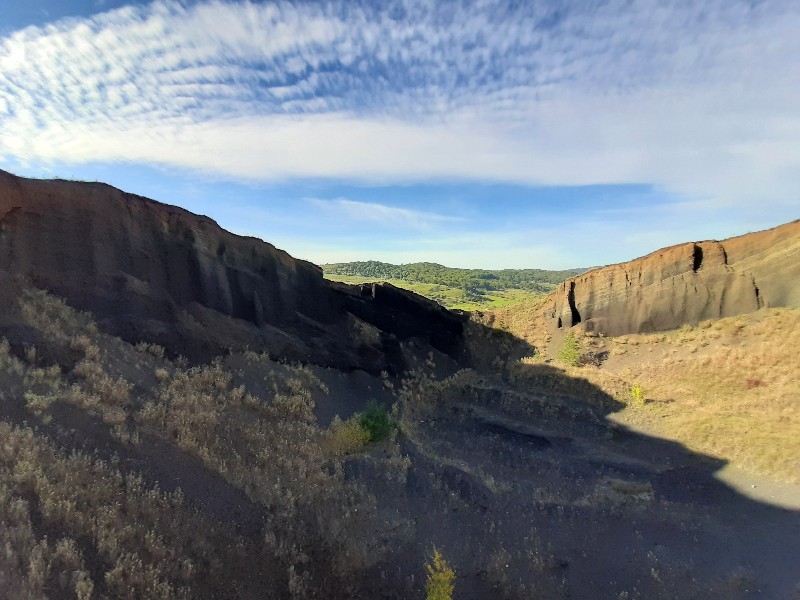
[
  {"x": 153, "y": 272},
  {"x": 687, "y": 283}
]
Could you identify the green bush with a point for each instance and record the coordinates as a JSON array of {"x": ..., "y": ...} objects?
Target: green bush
[
  {"x": 570, "y": 351},
  {"x": 439, "y": 585},
  {"x": 376, "y": 421}
]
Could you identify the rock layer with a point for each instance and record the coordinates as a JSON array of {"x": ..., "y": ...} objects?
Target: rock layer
[
  {"x": 154, "y": 272},
  {"x": 687, "y": 283}
]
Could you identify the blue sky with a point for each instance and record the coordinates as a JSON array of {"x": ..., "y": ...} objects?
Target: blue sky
[{"x": 483, "y": 134}]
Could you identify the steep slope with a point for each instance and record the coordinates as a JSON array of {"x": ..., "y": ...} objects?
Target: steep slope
[
  {"x": 687, "y": 283},
  {"x": 127, "y": 475},
  {"x": 153, "y": 272}
]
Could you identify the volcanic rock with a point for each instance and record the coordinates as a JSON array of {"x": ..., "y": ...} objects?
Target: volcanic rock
[
  {"x": 153, "y": 272},
  {"x": 687, "y": 283}
]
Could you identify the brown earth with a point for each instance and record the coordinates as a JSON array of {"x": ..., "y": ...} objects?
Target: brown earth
[
  {"x": 687, "y": 283},
  {"x": 158, "y": 273}
]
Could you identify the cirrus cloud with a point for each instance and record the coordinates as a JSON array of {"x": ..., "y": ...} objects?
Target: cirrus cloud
[
  {"x": 350, "y": 211},
  {"x": 697, "y": 98}
]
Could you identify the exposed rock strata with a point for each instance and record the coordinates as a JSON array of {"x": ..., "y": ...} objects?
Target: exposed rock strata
[
  {"x": 687, "y": 283},
  {"x": 154, "y": 272}
]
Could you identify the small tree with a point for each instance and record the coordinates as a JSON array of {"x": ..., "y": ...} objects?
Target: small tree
[
  {"x": 376, "y": 422},
  {"x": 439, "y": 585},
  {"x": 570, "y": 351}
]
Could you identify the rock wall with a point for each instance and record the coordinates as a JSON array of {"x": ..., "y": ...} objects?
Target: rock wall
[
  {"x": 117, "y": 253},
  {"x": 154, "y": 272},
  {"x": 687, "y": 283}
]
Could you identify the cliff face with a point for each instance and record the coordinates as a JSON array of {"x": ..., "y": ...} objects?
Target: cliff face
[
  {"x": 159, "y": 273},
  {"x": 681, "y": 284},
  {"x": 118, "y": 253}
]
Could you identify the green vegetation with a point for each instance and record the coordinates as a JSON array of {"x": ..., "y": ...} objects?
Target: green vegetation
[
  {"x": 352, "y": 435},
  {"x": 570, "y": 351},
  {"x": 439, "y": 585},
  {"x": 637, "y": 393},
  {"x": 465, "y": 289},
  {"x": 453, "y": 298},
  {"x": 534, "y": 280},
  {"x": 376, "y": 422}
]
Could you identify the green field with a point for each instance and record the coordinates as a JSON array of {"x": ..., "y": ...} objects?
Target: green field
[
  {"x": 447, "y": 296},
  {"x": 464, "y": 289}
]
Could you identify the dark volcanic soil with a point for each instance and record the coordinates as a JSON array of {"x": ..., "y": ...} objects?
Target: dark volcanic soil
[{"x": 526, "y": 513}]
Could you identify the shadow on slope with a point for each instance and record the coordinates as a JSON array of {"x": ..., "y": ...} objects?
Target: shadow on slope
[
  {"x": 518, "y": 477},
  {"x": 534, "y": 493}
]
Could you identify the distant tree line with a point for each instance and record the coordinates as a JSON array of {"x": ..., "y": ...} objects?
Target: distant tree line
[{"x": 470, "y": 280}]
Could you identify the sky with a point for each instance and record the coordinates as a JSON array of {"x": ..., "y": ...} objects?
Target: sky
[{"x": 490, "y": 134}]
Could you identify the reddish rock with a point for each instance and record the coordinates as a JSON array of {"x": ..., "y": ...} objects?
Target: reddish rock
[{"x": 687, "y": 283}]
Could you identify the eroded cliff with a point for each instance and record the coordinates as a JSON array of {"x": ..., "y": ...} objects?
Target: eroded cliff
[
  {"x": 158, "y": 273},
  {"x": 687, "y": 283}
]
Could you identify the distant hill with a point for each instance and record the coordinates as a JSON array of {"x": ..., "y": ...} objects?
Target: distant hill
[{"x": 452, "y": 287}]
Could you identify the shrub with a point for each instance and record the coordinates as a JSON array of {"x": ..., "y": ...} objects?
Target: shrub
[
  {"x": 346, "y": 437},
  {"x": 9, "y": 363},
  {"x": 38, "y": 403},
  {"x": 439, "y": 585},
  {"x": 570, "y": 351},
  {"x": 153, "y": 349},
  {"x": 376, "y": 422},
  {"x": 637, "y": 393},
  {"x": 53, "y": 316},
  {"x": 257, "y": 357},
  {"x": 276, "y": 453}
]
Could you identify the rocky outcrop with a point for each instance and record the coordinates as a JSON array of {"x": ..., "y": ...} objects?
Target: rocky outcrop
[
  {"x": 154, "y": 272},
  {"x": 687, "y": 283}
]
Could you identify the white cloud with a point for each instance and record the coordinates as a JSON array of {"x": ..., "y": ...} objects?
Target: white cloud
[
  {"x": 698, "y": 98},
  {"x": 380, "y": 214}
]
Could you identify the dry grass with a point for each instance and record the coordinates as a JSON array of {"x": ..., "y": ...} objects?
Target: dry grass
[
  {"x": 68, "y": 333},
  {"x": 137, "y": 541},
  {"x": 77, "y": 526},
  {"x": 97, "y": 390},
  {"x": 39, "y": 387},
  {"x": 52, "y": 316},
  {"x": 523, "y": 320},
  {"x": 276, "y": 453},
  {"x": 153, "y": 349},
  {"x": 60, "y": 512},
  {"x": 346, "y": 437},
  {"x": 29, "y": 566},
  {"x": 729, "y": 388}
]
